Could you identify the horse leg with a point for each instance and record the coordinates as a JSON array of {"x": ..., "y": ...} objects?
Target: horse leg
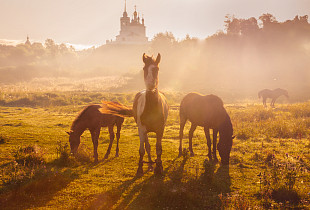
[
  {"x": 207, "y": 133},
  {"x": 215, "y": 132},
  {"x": 182, "y": 124},
  {"x": 191, "y": 132},
  {"x": 111, "y": 132},
  {"x": 142, "y": 135},
  {"x": 148, "y": 151},
  {"x": 159, "y": 165},
  {"x": 264, "y": 101},
  {"x": 118, "y": 135},
  {"x": 95, "y": 135},
  {"x": 273, "y": 101}
]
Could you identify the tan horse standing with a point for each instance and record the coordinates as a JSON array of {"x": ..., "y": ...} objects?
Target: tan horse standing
[
  {"x": 273, "y": 94},
  {"x": 208, "y": 112},
  {"x": 150, "y": 110},
  {"x": 91, "y": 118}
]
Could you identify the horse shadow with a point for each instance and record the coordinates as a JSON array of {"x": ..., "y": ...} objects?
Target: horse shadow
[
  {"x": 121, "y": 196},
  {"x": 173, "y": 190}
]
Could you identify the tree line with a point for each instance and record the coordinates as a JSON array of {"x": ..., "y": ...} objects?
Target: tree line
[{"x": 247, "y": 55}]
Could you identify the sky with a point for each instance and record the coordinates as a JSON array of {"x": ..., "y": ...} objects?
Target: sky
[{"x": 92, "y": 22}]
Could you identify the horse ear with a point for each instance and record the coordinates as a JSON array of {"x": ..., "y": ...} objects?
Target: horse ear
[
  {"x": 69, "y": 132},
  {"x": 158, "y": 59},
  {"x": 144, "y": 58}
]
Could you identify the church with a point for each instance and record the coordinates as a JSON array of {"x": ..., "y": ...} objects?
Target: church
[{"x": 132, "y": 30}]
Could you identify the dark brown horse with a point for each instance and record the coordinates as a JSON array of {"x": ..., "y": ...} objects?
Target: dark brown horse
[
  {"x": 207, "y": 111},
  {"x": 273, "y": 94},
  {"x": 91, "y": 118},
  {"x": 150, "y": 110}
]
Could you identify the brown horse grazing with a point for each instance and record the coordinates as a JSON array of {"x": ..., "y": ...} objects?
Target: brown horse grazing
[
  {"x": 150, "y": 110},
  {"x": 273, "y": 94},
  {"x": 91, "y": 118},
  {"x": 207, "y": 111}
]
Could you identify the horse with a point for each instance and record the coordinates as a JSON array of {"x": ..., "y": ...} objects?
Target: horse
[
  {"x": 91, "y": 118},
  {"x": 208, "y": 112},
  {"x": 273, "y": 94},
  {"x": 150, "y": 111}
]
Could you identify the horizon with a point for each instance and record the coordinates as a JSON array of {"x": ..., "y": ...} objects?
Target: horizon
[{"x": 209, "y": 18}]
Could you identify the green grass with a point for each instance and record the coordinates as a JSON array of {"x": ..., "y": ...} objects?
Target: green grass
[{"x": 270, "y": 145}]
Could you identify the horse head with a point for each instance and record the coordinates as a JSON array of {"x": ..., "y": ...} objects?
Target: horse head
[
  {"x": 225, "y": 141},
  {"x": 74, "y": 141},
  {"x": 151, "y": 71}
]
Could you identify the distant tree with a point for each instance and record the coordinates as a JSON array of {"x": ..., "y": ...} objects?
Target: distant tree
[
  {"x": 166, "y": 38},
  {"x": 248, "y": 26},
  {"x": 232, "y": 25},
  {"x": 38, "y": 49},
  {"x": 51, "y": 47},
  {"x": 304, "y": 19},
  {"x": 267, "y": 19}
]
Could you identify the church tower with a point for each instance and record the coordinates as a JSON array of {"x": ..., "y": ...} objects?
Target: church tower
[
  {"x": 27, "y": 42},
  {"x": 132, "y": 30},
  {"x": 125, "y": 20}
]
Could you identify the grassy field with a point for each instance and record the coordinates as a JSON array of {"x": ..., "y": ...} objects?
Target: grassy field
[{"x": 269, "y": 165}]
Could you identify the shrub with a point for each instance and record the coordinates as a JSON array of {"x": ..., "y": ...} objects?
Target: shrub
[
  {"x": 278, "y": 183},
  {"x": 29, "y": 156},
  {"x": 63, "y": 153},
  {"x": 28, "y": 163}
]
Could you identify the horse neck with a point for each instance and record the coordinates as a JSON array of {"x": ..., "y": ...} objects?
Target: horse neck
[
  {"x": 152, "y": 96},
  {"x": 78, "y": 127},
  {"x": 226, "y": 127}
]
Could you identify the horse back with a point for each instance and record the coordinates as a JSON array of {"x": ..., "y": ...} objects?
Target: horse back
[
  {"x": 203, "y": 110},
  {"x": 91, "y": 117}
]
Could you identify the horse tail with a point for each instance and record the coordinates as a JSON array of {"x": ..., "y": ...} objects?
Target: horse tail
[{"x": 109, "y": 107}]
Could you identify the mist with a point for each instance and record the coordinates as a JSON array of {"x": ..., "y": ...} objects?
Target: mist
[{"x": 247, "y": 56}]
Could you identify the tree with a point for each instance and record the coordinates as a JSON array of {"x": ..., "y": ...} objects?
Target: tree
[
  {"x": 267, "y": 19},
  {"x": 51, "y": 47},
  {"x": 248, "y": 26}
]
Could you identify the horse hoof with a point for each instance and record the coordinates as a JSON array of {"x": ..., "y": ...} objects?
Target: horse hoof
[
  {"x": 116, "y": 155},
  {"x": 192, "y": 154}
]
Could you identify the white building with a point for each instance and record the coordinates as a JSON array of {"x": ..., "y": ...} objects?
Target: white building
[{"x": 132, "y": 31}]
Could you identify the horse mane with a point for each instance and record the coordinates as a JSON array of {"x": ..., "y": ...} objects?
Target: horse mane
[{"x": 80, "y": 115}]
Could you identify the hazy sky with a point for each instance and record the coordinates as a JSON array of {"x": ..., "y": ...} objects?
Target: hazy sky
[{"x": 92, "y": 22}]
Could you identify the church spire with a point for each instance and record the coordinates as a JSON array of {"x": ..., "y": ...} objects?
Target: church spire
[
  {"x": 28, "y": 42},
  {"x": 125, "y": 12}
]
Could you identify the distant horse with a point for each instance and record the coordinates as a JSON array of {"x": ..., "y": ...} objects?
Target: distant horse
[
  {"x": 273, "y": 94},
  {"x": 150, "y": 110},
  {"x": 91, "y": 118},
  {"x": 207, "y": 111}
]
